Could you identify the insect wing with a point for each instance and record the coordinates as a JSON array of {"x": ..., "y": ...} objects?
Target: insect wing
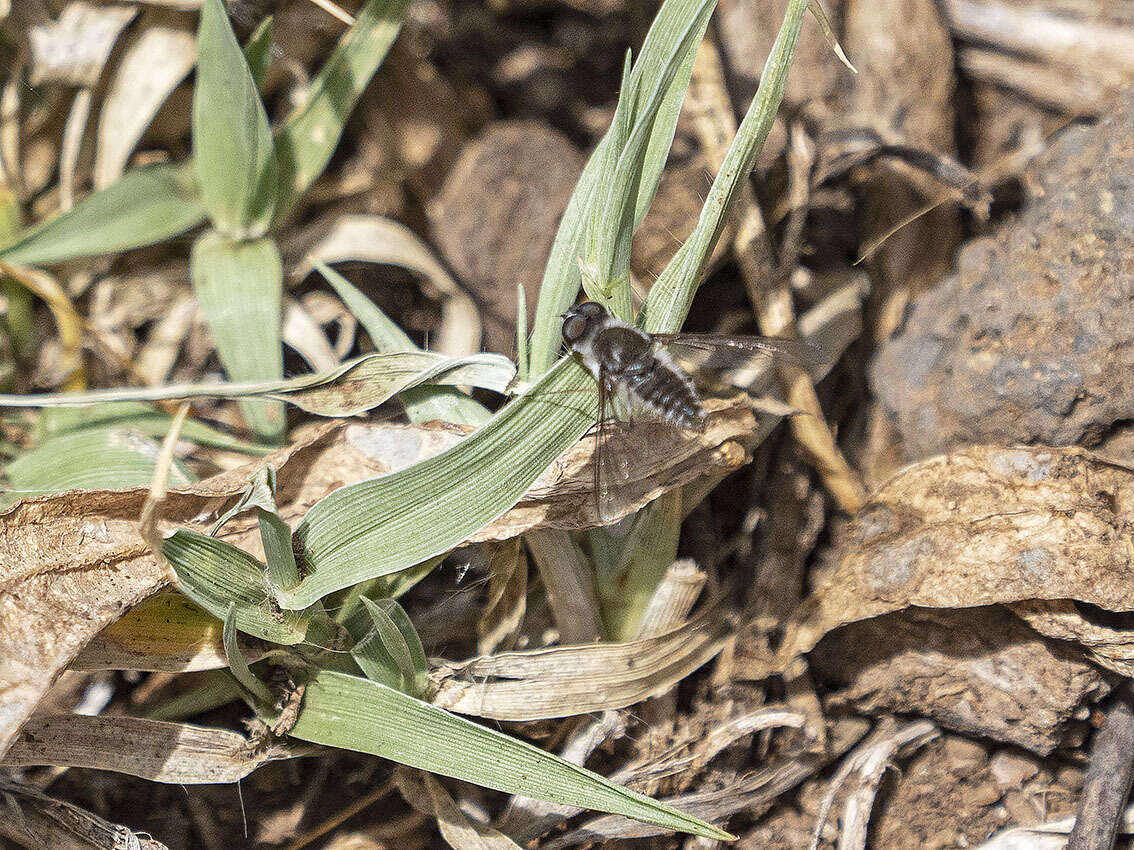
[{"x": 725, "y": 351}]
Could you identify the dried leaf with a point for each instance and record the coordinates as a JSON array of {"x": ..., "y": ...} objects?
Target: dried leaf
[
  {"x": 156, "y": 750},
  {"x": 74, "y": 49},
  {"x": 375, "y": 239},
  {"x": 980, "y": 526},
  {"x": 152, "y": 65},
  {"x": 561, "y": 681},
  {"x": 57, "y": 823},
  {"x": 429, "y": 796}
]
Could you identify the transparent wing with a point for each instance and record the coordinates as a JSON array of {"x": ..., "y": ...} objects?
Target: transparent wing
[
  {"x": 630, "y": 443},
  {"x": 724, "y": 351}
]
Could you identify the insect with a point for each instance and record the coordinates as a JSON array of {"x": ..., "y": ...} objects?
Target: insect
[{"x": 638, "y": 369}]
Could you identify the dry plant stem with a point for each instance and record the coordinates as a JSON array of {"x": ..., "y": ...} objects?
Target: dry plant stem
[
  {"x": 715, "y": 123},
  {"x": 147, "y": 522},
  {"x": 569, "y": 583},
  {"x": 869, "y": 760},
  {"x": 673, "y": 599},
  {"x": 1069, "y": 92},
  {"x": 73, "y": 134},
  {"x": 1105, "y": 49},
  {"x": 1107, "y": 784},
  {"x": 335, "y": 11},
  {"x": 341, "y": 816}
]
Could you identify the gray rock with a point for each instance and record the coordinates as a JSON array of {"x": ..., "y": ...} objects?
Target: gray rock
[{"x": 1032, "y": 341}]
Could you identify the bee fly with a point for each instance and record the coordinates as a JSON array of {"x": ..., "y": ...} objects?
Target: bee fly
[{"x": 637, "y": 369}]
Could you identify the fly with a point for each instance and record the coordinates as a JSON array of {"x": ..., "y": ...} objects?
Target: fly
[{"x": 637, "y": 368}]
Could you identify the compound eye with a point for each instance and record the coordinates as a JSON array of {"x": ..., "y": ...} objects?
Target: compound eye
[{"x": 573, "y": 328}]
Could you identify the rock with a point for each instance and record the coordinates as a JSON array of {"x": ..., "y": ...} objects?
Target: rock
[
  {"x": 1011, "y": 770},
  {"x": 1032, "y": 341},
  {"x": 978, "y": 671},
  {"x": 496, "y": 216},
  {"x": 964, "y": 756}
]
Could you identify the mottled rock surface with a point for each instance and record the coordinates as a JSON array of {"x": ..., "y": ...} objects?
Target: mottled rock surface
[{"x": 1032, "y": 341}]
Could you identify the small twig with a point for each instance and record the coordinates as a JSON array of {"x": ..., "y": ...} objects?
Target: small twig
[
  {"x": 1107, "y": 784},
  {"x": 341, "y": 816},
  {"x": 715, "y": 125},
  {"x": 335, "y": 11}
]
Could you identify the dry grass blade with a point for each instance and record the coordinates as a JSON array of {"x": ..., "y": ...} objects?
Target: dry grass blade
[
  {"x": 427, "y": 795},
  {"x": 673, "y": 598},
  {"x": 165, "y": 633},
  {"x": 752, "y": 794},
  {"x": 870, "y": 761},
  {"x": 562, "y": 681},
  {"x": 177, "y": 753},
  {"x": 35, "y": 817},
  {"x": 152, "y": 66},
  {"x": 768, "y": 286},
  {"x": 500, "y": 621}
]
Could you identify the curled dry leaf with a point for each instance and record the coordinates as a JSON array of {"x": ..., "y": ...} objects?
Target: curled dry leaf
[
  {"x": 152, "y": 66},
  {"x": 567, "y": 680},
  {"x": 981, "y": 526},
  {"x": 428, "y": 796},
  {"x": 156, "y": 750},
  {"x": 375, "y": 239},
  {"x": 57, "y": 823}
]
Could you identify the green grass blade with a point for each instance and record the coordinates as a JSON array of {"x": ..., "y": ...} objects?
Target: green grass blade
[
  {"x": 670, "y": 297},
  {"x": 386, "y": 524},
  {"x": 614, "y": 224},
  {"x": 215, "y": 574},
  {"x": 233, "y": 150},
  {"x": 350, "y": 388},
  {"x": 645, "y": 555},
  {"x": 146, "y": 206},
  {"x": 305, "y": 144},
  {"x": 561, "y": 277},
  {"x": 149, "y": 420},
  {"x": 392, "y": 644},
  {"x": 238, "y": 664},
  {"x": 356, "y": 714},
  {"x": 92, "y": 458},
  {"x": 258, "y": 51},
  {"x": 239, "y": 285},
  {"x": 421, "y": 404},
  {"x": 275, "y": 534}
]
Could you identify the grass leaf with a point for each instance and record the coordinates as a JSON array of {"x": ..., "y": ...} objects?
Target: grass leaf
[
  {"x": 670, "y": 297},
  {"x": 146, "y": 206},
  {"x": 215, "y": 574},
  {"x": 357, "y": 714},
  {"x": 233, "y": 150},
  {"x": 421, "y": 404},
  {"x": 239, "y": 285},
  {"x": 100, "y": 456},
  {"x": 305, "y": 144},
  {"x": 561, "y": 278},
  {"x": 386, "y": 524}
]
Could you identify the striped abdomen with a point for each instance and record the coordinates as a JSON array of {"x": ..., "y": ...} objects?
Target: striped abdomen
[{"x": 666, "y": 389}]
